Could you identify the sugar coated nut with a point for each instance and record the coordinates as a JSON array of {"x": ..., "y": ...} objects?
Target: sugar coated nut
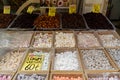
[
  {"x": 104, "y": 76},
  {"x": 66, "y": 78},
  {"x": 66, "y": 61},
  {"x": 11, "y": 61},
  {"x": 30, "y": 77},
  {"x": 5, "y": 77},
  {"x": 96, "y": 60},
  {"x": 109, "y": 40},
  {"x": 64, "y": 39},
  {"x": 115, "y": 54},
  {"x": 43, "y": 40},
  {"x": 87, "y": 40}
]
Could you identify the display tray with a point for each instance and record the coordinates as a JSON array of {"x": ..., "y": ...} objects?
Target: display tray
[
  {"x": 11, "y": 61},
  {"x": 45, "y": 22},
  {"x": 63, "y": 43},
  {"x": 73, "y": 22},
  {"x": 70, "y": 75},
  {"x": 103, "y": 75},
  {"x": 97, "y": 21},
  {"x": 42, "y": 37},
  {"x": 6, "y": 19},
  {"x": 35, "y": 60},
  {"x": 87, "y": 42},
  {"x": 62, "y": 51},
  {"x": 24, "y": 21},
  {"x": 114, "y": 55},
  {"x": 112, "y": 66},
  {"x": 31, "y": 75},
  {"x": 109, "y": 41}
]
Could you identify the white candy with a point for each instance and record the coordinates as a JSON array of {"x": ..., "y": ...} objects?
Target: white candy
[
  {"x": 96, "y": 60},
  {"x": 66, "y": 61},
  {"x": 43, "y": 40},
  {"x": 64, "y": 39},
  {"x": 115, "y": 53},
  {"x": 109, "y": 40},
  {"x": 87, "y": 40}
]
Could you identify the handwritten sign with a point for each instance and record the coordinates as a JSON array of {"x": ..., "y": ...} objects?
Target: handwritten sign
[
  {"x": 7, "y": 9},
  {"x": 72, "y": 9},
  {"x": 96, "y": 8},
  {"x": 33, "y": 63},
  {"x": 52, "y": 11},
  {"x": 30, "y": 9}
]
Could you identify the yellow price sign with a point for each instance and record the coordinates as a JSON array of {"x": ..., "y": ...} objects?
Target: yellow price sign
[
  {"x": 7, "y": 9},
  {"x": 96, "y": 8},
  {"x": 30, "y": 9},
  {"x": 72, "y": 9},
  {"x": 33, "y": 63},
  {"x": 52, "y": 11}
]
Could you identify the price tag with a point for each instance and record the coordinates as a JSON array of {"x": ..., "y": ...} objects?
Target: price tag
[
  {"x": 33, "y": 63},
  {"x": 7, "y": 9},
  {"x": 96, "y": 8},
  {"x": 52, "y": 11},
  {"x": 30, "y": 9},
  {"x": 72, "y": 9}
]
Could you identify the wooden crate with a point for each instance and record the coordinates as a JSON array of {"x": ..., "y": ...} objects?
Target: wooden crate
[
  {"x": 88, "y": 5},
  {"x": 110, "y": 61},
  {"x": 112, "y": 32},
  {"x": 31, "y": 73},
  {"x": 57, "y": 50},
  {"x": 67, "y": 74},
  {"x": 38, "y": 32},
  {"x": 87, "y": 32},
  {"x": 50, "y": 50}
]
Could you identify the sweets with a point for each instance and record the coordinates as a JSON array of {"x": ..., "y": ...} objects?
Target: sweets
[
  {"x": 11, "y": 61},
  {"x": 21, "y": 39},
  {"x": 64, "y": 39},
  {"x": 5, "y": 20},
  {"x": 73, "y": 21},
  {"x": 115, "y": 54},
  {"x": 67, "y": 77},
  {"x": 36, "y": 61},
  {"x": 104, "y": 76},
  {"x": 5, "y": 77},
  {"x": 14, "y": 39},
  {"x": 43, "y": 40},
  {"x": 66, "y": 61},
  {"x": 96, "y": 60},
  {"x": 87, "y": 40},
  {"x": 97, "y": 21},
  {"x": 25, "y": 20},
  {"x": 109, "y": 40},
  {"x": 31, "y": 77},
  {"x": 47, "y": 22}
]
